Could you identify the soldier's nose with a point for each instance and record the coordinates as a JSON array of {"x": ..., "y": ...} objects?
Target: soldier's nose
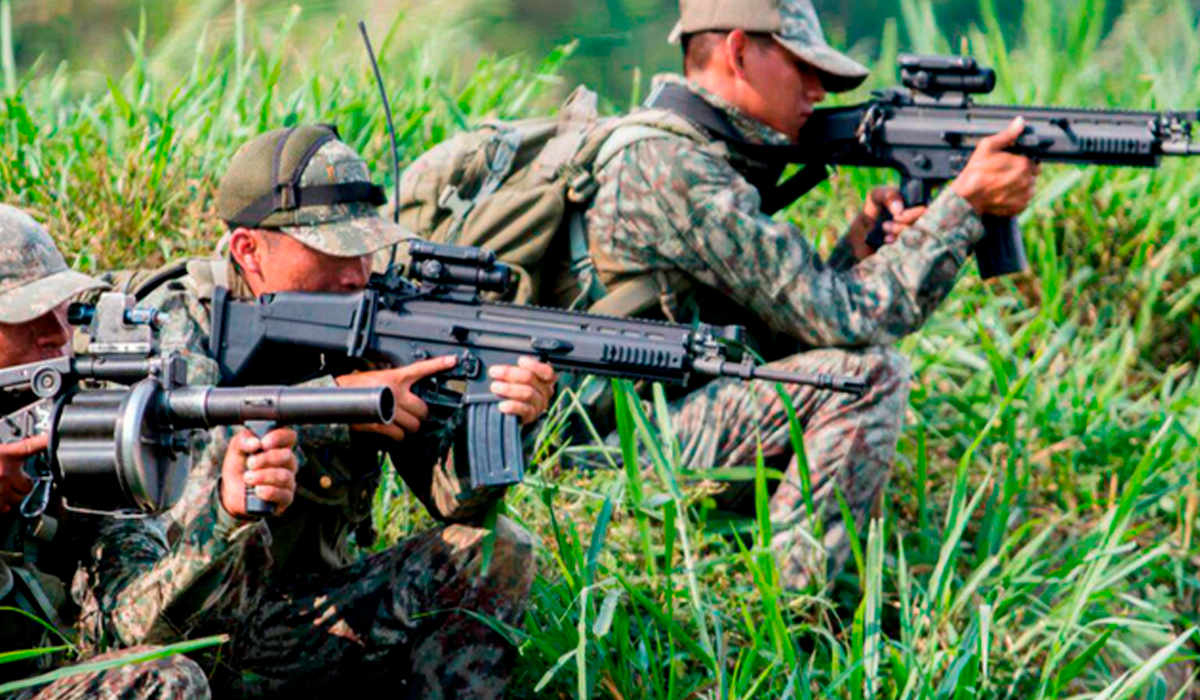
[{"x": 52, "y": 332}]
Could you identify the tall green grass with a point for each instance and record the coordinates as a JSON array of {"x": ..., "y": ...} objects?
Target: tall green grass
[{"x": 1038, "y": 535}]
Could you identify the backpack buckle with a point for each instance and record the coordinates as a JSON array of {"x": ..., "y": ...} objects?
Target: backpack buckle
[
  {"x": 450, "y": 201},
  {"x": 581, "y": 187}
]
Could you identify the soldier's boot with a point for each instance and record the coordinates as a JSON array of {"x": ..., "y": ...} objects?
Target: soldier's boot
[
  {"x": 849, "y": 441},
  {"x": 171, "y": 678},
  {"x": 411, "y": 621}
]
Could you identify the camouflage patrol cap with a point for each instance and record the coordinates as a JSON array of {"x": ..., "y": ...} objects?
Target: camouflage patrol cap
[
  {"x": 793, "y": 23},
  {"x": 34, "y": 278},
  {"x": 307, "y": 183}
]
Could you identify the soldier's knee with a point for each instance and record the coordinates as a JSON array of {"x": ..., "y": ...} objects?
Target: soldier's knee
[
  {"x": 171, "y": 678},
  {"x": 889, "y": 370},
  {"x": 510, "y": 564},
  {"x": 513, "y": 556}
]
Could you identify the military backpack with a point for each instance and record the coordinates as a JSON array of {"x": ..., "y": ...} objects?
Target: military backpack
[{"x": 520, "y": 188}]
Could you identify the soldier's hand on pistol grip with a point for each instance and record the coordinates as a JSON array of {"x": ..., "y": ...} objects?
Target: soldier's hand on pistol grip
[
  {"x": 411, "y": 411},
  {"x": 997, "y": 182},
  {"x": 528, "y": 388},
  {"x": 15, "y": 484},
  {"x": 269, "y": 465},
  {"x": 900, "y": 217}
]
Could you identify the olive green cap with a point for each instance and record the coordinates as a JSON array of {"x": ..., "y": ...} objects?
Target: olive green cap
[
  {"x": 307, "y": 183},
  {"x": 34, "y": 277},
  {"x": 793, "y": 23}
]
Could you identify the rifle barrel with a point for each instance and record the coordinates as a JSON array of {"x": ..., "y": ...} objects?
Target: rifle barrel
[{"x": 828, "y": 382}]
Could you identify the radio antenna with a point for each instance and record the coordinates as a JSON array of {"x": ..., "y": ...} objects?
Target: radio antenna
[{"x": 387, "y": 111}]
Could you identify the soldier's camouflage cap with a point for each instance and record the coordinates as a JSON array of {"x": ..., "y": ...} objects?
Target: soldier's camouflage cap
[
  {"x": 793, "y": 23},
  {"x": 307, "y": 183},
  {"x": 34, "y": 277}
]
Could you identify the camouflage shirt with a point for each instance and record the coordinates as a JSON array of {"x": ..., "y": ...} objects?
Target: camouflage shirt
[
  {"x": 151, "y": 578},
  {"x": 672, "y": 204}
]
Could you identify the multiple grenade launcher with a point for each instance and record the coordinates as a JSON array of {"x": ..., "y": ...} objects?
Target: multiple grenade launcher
[{"x": 125, "y": 447}]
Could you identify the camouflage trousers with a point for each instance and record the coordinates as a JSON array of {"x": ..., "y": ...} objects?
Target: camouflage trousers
[
  {"x": 172, "y": 678},
  {"x": 849, "y": 442},
  {"x": 417, "y": 621}
]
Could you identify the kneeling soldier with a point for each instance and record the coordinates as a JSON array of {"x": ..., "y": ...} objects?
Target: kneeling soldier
[{"x": 309, "y": 618}]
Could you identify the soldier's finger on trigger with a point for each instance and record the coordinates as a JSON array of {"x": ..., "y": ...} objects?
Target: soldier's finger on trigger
[{"x": 427, "y": 368}]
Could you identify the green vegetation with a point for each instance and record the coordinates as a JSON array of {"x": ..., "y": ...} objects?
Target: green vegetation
[{"x": 1038, "y": 539}]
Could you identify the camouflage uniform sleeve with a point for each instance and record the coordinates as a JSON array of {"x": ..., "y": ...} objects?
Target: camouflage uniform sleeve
[
  {"x": 714, "y": 230},
  {"x": 151, "y": 580}
]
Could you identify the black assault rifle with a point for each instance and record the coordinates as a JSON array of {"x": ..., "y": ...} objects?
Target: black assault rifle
[
  {"x": 928, "y": 129},
  {"x": 288, "y": 337}
]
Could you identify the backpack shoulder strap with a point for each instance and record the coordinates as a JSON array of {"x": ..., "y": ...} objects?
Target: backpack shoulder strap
[
  {"x": 638, "y": 294},
  {"x": 577, "y": 120}
]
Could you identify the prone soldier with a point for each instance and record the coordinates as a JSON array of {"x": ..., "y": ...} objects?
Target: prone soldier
[
  {"x": 684, "y": 216},
  {"x": 35, "y": 287},
  {"x": 307, "y": 616}
]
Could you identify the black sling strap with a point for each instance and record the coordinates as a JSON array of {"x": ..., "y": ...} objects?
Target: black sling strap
[{"x": 775, "y": 196}]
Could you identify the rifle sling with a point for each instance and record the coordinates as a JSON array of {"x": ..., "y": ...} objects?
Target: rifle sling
[{"x": 694, "y": 108}]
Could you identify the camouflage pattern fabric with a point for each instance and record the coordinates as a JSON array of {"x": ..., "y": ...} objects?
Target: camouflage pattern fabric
[
  {"x": 343, "y": 230},
  {"x": 34, "y": 278},
  {"x": 849, "y": 443},
  {"x": 793, "y": 23},
  {"x": 404, "y": 623},
  {"x": 301, "y": 610},
  {"x": 284, "y": 156},
  {"x": 801, "y": 34},
  {"x": 671, "y": 205},
  {"x": 172, "y": 678}
]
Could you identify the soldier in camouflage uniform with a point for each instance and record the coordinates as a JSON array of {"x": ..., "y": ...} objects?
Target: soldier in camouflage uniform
[
  {"x": 307, "y": 617},
  {"x": 35, "y": 286},
  {"x": 688, "y": 215}
]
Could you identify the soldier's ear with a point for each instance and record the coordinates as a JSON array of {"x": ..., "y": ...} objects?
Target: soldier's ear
[
  {"x": 736, "y": 44},
  {"x": 246, "y": 248}
]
